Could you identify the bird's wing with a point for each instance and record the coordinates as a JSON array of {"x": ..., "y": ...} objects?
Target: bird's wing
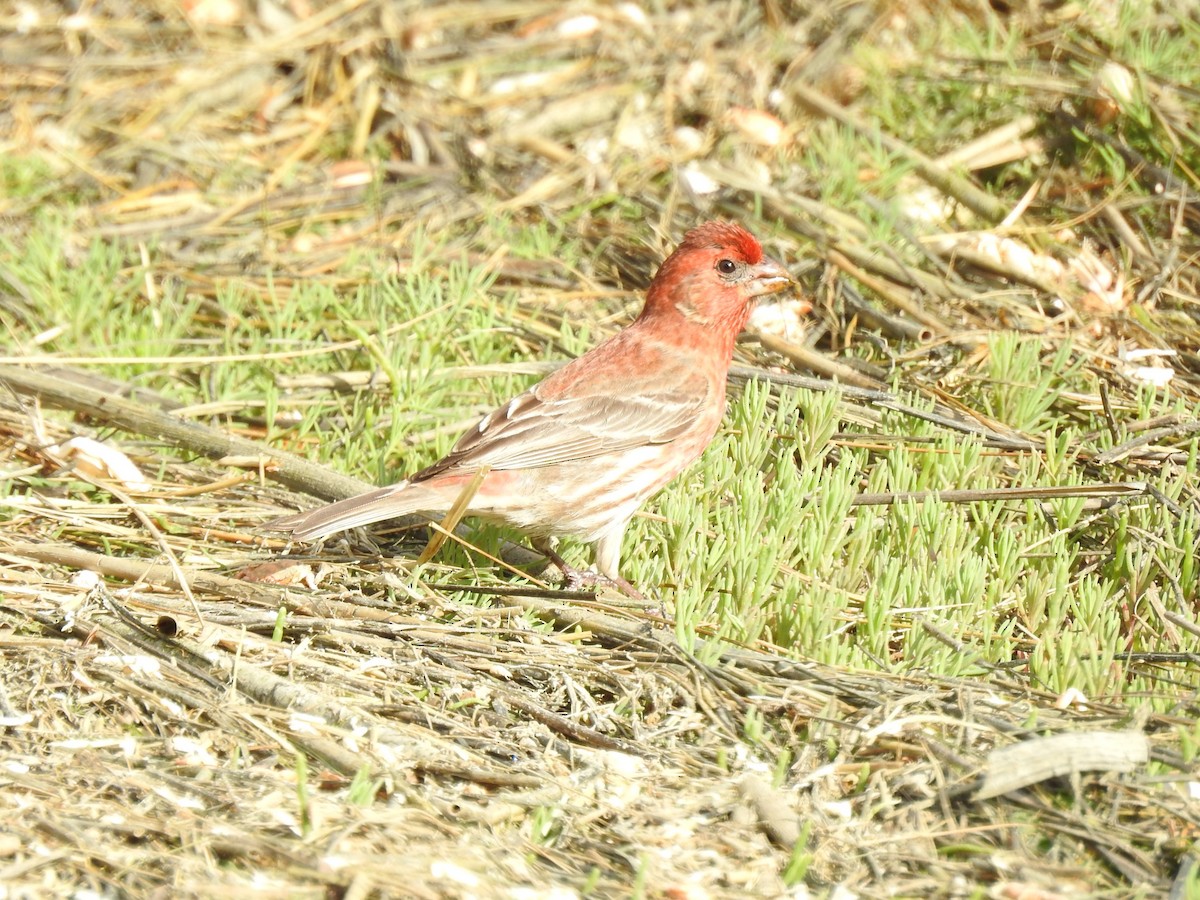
[{"x": 529, "y": 431}]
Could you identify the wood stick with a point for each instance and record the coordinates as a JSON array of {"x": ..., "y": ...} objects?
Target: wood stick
[
  {"x": 977, "y": 495},
  {"x": 137, "y": 418}
]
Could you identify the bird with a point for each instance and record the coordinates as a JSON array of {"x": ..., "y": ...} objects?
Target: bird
[{"x": 579, "y": 453}]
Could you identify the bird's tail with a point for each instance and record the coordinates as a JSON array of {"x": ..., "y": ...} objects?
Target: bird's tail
[{"x": 400, "y": 499}]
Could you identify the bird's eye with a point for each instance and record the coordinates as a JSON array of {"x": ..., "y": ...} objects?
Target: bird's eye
[{"x": 726, "y": 266}]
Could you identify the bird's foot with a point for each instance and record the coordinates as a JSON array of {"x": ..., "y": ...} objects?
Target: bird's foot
[
  {"x": 574, "y": 578},
  {"x": 580, "y": 578}
]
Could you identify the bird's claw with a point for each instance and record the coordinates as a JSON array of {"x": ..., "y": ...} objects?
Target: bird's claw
[{"x": 576, "y": 579}]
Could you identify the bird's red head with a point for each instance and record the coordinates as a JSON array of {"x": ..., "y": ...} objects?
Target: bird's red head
[
  {"x": 724, "y": 236},
  {"x": 714, "y": 278}
]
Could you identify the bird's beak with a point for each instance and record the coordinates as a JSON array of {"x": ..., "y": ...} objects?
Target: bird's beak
[{"x": 768, "y": 277}]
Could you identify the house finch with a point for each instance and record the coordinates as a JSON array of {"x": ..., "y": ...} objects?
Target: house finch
[{"x": 577, "y": 454}]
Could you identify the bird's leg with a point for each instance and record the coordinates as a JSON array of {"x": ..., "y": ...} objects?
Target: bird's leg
[{"x": 578, "y": 578}]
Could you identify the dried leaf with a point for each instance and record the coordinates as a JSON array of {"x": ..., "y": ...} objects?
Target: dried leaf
[{"x": 98, "y": 460}]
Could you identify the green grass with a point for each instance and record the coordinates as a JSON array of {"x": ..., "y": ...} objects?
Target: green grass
[
  {"x": 766, "y": 548},
  {"x": 759, "y": 541}
]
